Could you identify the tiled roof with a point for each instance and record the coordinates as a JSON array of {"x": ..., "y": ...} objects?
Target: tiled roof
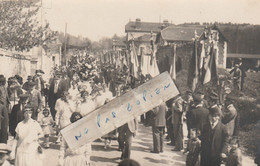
[
  {"x": 134, "y": 26},
  {"x": 181, "y": 33}
]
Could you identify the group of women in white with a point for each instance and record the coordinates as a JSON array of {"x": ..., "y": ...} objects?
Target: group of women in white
[{"x": 78, "y": 99}]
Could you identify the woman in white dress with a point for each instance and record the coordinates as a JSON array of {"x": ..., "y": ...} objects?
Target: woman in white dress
[
  {"x": 77, "y": 157},
  {"x": 26, "y": 146}
]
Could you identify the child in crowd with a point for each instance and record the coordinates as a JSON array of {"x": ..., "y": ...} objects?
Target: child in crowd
[
  {"x": 235, "y": 157},
  {"x": 47, "y": 123},
  {"x": 193, "y": 149}
]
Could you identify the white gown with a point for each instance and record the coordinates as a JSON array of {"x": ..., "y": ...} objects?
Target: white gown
[{"x": 27, "y": 144}]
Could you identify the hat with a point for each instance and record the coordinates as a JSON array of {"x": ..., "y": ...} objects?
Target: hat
[
  {"x": 41, "y": 71},
  {"x": 31, "y": 83},
  {"x": 197, "y": 97},
  {"x": 58, "y": 73},
  {"x": 236, "y": 65},
  {"x": 215, "y": 110},
  {"x": 29, "y": 78},
  {"x": 213, "y": 96},
  {"x": 4, "y": 148},
  {"x": 24, "y": 96}
]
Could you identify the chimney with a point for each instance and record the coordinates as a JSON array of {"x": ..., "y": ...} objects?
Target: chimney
[{"x": 138, "y": 23}]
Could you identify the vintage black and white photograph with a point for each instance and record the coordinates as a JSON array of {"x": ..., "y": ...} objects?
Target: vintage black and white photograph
[{"x": 129, "y": 83}]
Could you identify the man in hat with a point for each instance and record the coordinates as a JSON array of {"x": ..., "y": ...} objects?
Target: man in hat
[
  {"x": 57, "y": 87},
  {"x": 17, "y": 113},
  {"x": 199, "y": 114},
  {"x": 25, "y": 85},
  {"x": 39, "y": 82},
  {"x": 5, "y": 151},
  {"x": 35, "y": 100},
  {"x": 237, "y": 78},
  {"x": 214, "y": 139},
  {"x": 213, "y": 99},
  {"x": 189, "y": 105}
]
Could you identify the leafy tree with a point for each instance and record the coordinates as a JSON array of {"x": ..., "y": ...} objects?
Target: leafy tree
[{"x": 19, "y": 27}]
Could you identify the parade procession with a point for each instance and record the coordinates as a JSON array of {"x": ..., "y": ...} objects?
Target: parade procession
[{"x": 154, "y": 93}]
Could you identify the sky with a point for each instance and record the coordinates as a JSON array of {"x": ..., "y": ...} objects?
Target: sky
[{"x": 95, "y": 19}]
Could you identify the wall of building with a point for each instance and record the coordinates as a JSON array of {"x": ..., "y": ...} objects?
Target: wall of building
[{"x": 13, "y": 63}]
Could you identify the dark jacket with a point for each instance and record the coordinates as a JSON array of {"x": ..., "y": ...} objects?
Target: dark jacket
[
  {"x": 62, "y": 86},
  {"x": 213, "y": 143},
  {"x": 159, "y": 119},
  {"x": 199, "y": 117}
]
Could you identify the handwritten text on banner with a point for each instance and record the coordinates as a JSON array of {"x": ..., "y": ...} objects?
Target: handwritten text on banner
[{"x": 120, "y": 111}]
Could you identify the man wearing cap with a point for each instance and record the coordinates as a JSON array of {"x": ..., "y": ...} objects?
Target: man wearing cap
[
  {"x": 214, "y": 139},
  {"x": 5, "y": 150},
  {"x": 35, "y": 100},
  {"x": 17, "y": 113},
  {"x": 199, "y": 114}
]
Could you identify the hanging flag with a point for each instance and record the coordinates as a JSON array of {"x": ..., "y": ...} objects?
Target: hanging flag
[
  {"x": 202, "y": 54},
  {"x": 210, "y": 67},
  {"x": 154, "y": 70},
  {"x": 193, "y": 72},
  {"x": 134, "y": 61},
  {"x": 173, "y": 64}
]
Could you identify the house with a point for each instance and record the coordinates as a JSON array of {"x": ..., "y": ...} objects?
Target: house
[
  {"x": 178, "y": 40},
  {"x": 142, "y": 33},
  {"x": 244, "y": 42}
]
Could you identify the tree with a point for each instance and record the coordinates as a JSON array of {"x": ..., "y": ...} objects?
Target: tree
[{"x": 19, "y": 27}]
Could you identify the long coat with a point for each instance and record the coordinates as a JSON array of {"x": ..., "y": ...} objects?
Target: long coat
[
  {"x": 15, "y": 117},
  {"x": 213, "y": 143},
  {"x": 4, "y": 120}
]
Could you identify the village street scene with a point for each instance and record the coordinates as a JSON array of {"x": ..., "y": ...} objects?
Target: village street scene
[{"x": 129, "y": 83}]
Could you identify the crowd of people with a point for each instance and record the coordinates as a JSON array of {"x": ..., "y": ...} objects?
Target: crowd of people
[{"x": 38, "y": 109}]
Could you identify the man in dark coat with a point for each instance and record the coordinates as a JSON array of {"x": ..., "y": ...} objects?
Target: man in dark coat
[
  {"x": 126, "y": 134},
  {"x": 17, "y": 115},
  {"x": 4, "y": 120},
  {"x": 199, "y": 114},
  {"x": 214, "y": 139},
  {"x": 57, "y": 88},
  {"x": 158, "y": 125}
]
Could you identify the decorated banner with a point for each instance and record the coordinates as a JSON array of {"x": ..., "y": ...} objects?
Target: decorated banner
[{"x": 120, "y": 111}]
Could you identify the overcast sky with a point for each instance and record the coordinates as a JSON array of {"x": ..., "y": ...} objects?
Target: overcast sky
[{"x": 98, "y": 18}]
